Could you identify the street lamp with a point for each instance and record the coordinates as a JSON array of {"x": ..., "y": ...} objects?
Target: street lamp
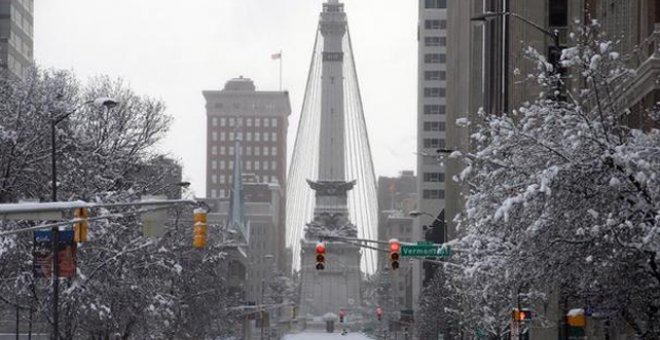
[
  {"x": 552, "y": 34},
  {"x": 489, "y": 15},
  {"x": 108, "y": 103}
]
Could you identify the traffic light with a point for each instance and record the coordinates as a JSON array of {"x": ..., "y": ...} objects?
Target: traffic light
[
  {"x": 199, "y": 228},
  {"x": 342, "y": 313},
  {"x": 379, "y": 313},
  {"x": 522, "y": 315},
  {"x": 395, "y": 248},
  {"x": 80, "y": 228},
  {"x": 320, "y": 256}
]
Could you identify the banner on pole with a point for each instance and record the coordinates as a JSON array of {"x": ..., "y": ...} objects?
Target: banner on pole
[{"x": 42, "y": 254}]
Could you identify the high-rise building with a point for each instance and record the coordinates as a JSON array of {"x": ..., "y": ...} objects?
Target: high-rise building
[
  {"x": 431, "y": 117},
  {"x": 260, "y": 120},
  {"x": 16, "y": 35}
]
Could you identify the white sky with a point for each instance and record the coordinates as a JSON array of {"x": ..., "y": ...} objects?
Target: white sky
[{"x": 173, "y": 50}]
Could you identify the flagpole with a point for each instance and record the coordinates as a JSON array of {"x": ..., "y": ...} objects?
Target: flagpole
[{"x": 280, "y": 70}]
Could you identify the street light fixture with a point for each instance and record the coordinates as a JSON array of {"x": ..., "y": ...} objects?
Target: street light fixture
[
  {"x": 108, "y": 103},
  {"x": 552, "y": 34},
  {"x": 490, "y": 15}
]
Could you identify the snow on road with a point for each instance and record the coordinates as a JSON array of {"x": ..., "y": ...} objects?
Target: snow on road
[{"x": 325, "y": 336}]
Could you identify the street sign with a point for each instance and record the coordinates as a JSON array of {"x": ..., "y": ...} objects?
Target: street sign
[{"x": 425, "y": 250}]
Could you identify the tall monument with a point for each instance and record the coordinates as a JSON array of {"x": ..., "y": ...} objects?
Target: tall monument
[{"x": 337, "y": 287}]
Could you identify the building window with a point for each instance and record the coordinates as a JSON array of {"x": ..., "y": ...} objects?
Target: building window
[
  {"x": 256, "y": 165},
  {"x": 433, "y": 194},
  {"x": 558, "y": 13},
  {"x": 273, "y": 151},
  {"x": 256, "y": 136},
  {"x": 434, "y": 143},
  {"x": 435, "y": 58},
  {"x": 214, "y": 193},
  {"x": 222, "y": 179},
  {"x": 214, "y": 179},
  {"x": 435, "y": 41},
  {"x": 214, "y": 165},
  {"x": 273, "y": 122},
  {"x": 265, "y": 151},
  {"x": 222, "y": 136},
  {"x": 435, "y": 4},
  {"x": 257, "y": 151},
  {"x": 265, "y": 136},
  {"x": 214, "y": 136},
  {"x": 435, "y": 75},
  {"x": 434, "y": 92},
  {"x": 248, "y": 150},
  {"x": 265, "y": 166},
  {"x": 231, "y": 151},
  {"x": 214, "y": 150},
  {"x": 222, "y": 193},
  {"x": 249, "y": 122},
  {"x": 223, "y": 122},
  {"x": 266, "y": 122},
  {"x": 434, "y": 177},
  {"x": 222, "y": 165},
  {"x": 248, "y": 165},
  {"x": 222, "y": 150},
  {"x": 257, "y": 122},
  {"x": 435, "y": 24},
  {"x": 214, "y": 121},
  {"x": 434, "y": 126},
  {"x": 273, "y": 137},
  {"x": 273, "y": 165}
]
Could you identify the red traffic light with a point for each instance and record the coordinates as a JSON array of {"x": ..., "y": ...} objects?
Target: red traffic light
[
  {"x": 320, "y": 256},
  {"x": 379, "y": 311},
  {"x": 395, "y": 246}
]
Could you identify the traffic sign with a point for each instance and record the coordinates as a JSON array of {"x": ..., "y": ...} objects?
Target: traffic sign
[{"x": 425, "y": 250}]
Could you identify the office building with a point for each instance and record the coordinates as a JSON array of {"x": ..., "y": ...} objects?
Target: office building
[
  {"x": 260, "y": 120},
  {"x": 16, "y": 35},
  {"x": 431, "y": 117}
]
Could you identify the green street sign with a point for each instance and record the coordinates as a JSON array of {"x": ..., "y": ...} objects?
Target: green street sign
[{"x": 425, "y": 250}]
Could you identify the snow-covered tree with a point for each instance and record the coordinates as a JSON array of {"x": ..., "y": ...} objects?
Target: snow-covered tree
[
  {"x": 127, "y": 286},
  {"x": 566, "y": 195}
]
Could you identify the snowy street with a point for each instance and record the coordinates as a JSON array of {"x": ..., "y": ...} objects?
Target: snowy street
[{"x": 325, "y": 336}]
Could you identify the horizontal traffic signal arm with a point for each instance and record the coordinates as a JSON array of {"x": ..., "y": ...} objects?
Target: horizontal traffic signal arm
[{"x": 13, "y": 210}]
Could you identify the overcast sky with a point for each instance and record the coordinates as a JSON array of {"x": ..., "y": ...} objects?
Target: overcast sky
[{"x": 173, "y": 50}]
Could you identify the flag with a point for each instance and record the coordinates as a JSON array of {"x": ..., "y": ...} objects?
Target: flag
[{"x": 277, "y": 55}]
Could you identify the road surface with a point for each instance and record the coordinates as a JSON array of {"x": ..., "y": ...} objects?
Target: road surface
[{"x": 325, "y": 336}]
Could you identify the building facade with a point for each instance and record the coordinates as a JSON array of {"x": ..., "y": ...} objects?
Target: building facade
[
  {"x": 431, "y": 117},
  {"x": 16, "y": 35},
  {"x": 394, "y": 194},
  {"x": 259, "y": 119}
]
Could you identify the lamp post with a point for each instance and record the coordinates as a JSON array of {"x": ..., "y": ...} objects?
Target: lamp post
[{"x": 108, "y": 103}]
